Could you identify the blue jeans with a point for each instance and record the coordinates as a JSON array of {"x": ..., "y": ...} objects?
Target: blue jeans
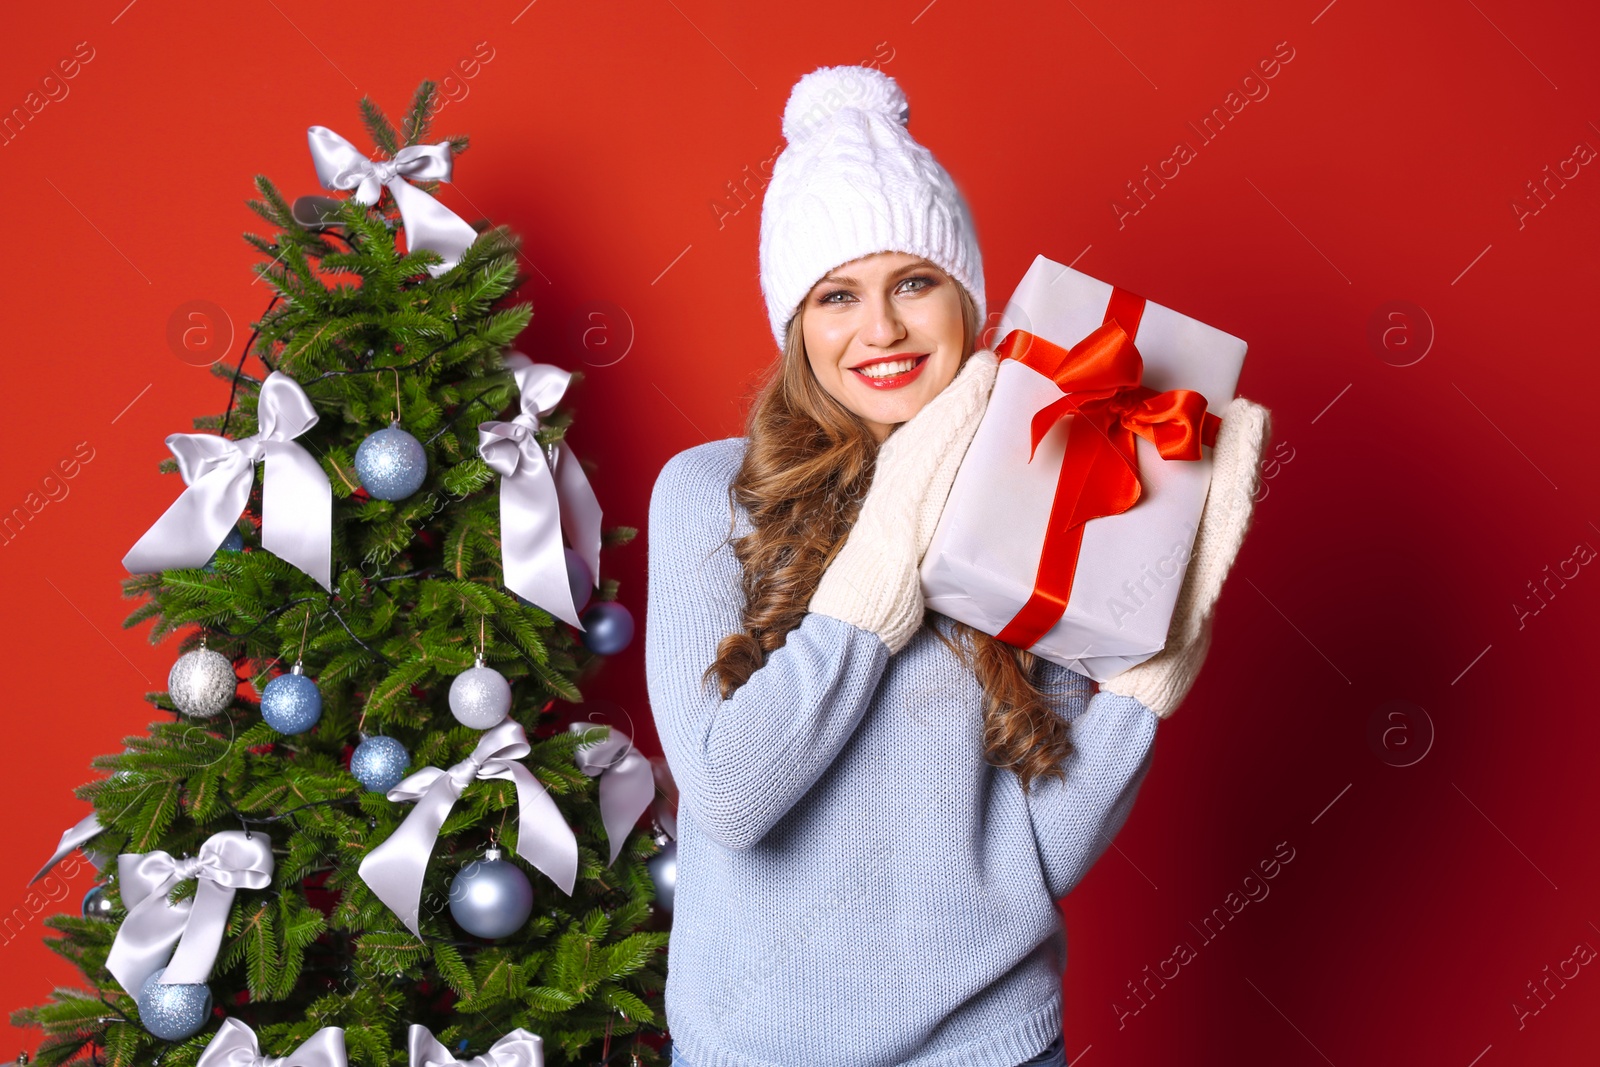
[{"x": 1053, "y": 1056}]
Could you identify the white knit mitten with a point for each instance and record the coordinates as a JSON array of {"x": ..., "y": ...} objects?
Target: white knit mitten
[
  {"x": 873, "y": 581},
  {"x": 1161, "y": 682}
]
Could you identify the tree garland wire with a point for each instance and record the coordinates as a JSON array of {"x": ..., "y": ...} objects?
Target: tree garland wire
[{"x": 238, "y": 371}]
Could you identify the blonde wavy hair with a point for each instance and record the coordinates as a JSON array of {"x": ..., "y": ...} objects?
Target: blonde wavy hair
[{"x": 807, "y": 465}]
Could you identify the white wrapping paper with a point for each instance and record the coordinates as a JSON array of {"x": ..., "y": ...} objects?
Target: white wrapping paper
[{"x": 984, "y": 557}]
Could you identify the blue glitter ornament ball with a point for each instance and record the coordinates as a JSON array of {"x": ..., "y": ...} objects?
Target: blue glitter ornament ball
[
  {"x": 234, "y": 542},
  {"x": 173, "y": 1012},
  {"x": 379, "y": 763},
  {"x": 291, "y": 703},
  {"x": 607, "y": 628},
  {"x": 490, "y": 897},
  {"x": 391, "y": 464}
]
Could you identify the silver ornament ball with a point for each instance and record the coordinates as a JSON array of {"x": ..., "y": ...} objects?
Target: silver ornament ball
[
  {"x": 202, "y": 683},
  {"x": 607, "y": 628},
  {"x": 379, "y": 763},
  {"x": 579, "y": 581},
  {"x": 490, "y": 897},
  {"x": 98, "y": 903},
  {"x": 480, "y": 697},
  {"x": 291, "y": 703},
  {"x": 173, "y": 1012},
  {"x": 663, "y": 868},
  {"x": 391, "y": 464}
]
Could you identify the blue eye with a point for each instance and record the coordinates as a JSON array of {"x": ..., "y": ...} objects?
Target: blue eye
[{"x": 928, "y": 283}]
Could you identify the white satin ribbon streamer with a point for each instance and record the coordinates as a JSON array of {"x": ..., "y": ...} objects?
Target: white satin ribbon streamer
[
  {"x": 429, "y": 224},
  {"x": 227, "y": 861},
  {"x": 85, "y": 829},
  {"x": 627, "y": 781},
  {"x": 394, "y": 870},
  {"x": 518, "y": 1048},
  {"x": 534, "y": 497},
  {"x": 296, "y": 497},
  {"x": 236, "y": 1045}
]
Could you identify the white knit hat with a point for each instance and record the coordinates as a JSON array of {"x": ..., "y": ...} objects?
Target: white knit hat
[{"x": 851, "y": 182}]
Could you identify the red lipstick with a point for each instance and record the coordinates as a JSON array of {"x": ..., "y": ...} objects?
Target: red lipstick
[{"x": 892, "y": 381}]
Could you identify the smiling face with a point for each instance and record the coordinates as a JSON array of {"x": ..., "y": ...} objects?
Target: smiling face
[{"x": 891, "y": 313}]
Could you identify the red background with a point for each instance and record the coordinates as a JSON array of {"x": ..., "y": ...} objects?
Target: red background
[{"x": 1415, "y": 504}]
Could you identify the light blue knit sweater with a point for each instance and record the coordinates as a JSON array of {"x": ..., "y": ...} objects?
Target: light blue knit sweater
[{"x": 857, "y": 887}]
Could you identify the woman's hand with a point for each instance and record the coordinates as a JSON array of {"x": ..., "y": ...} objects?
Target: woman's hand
[
  {"x": 1161, "y": 682},
  {"x": 873, "y": 581}
]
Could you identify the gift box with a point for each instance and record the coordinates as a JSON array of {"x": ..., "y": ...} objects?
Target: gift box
[{"x": 1070, "y": 522}]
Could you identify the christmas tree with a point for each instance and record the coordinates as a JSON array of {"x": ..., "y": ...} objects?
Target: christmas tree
[{"x": 282, "y": 846}]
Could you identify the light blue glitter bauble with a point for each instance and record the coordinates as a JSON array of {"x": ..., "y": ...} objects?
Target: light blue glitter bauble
[
  {"x": 234, "y": 542},
  {"x": 607, "y": 628},
  {"x": 379, "y": 763},
  {"x": 391, "y": 464},
  {"x": 291, "y": 703},
  {"x": 173, "y": 1012},
  {"x": 491, "y": 897}
]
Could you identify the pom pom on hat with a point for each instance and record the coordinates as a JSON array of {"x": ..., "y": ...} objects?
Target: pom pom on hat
[
  {"x": 852, "y": 182},
  {"x": 827, "y": 89}
]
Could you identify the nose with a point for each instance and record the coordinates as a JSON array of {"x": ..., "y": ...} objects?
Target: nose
[{"x": 883, "y": 326}]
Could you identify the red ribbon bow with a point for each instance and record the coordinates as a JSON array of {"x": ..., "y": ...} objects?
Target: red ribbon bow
[{"x": 1101, "y": 377}]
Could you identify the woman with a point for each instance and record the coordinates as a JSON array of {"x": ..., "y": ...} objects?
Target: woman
[{"x": 879, "y": 807}]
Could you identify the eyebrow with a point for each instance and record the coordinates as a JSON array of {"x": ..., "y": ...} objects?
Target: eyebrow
[{"x": 839, "y": 279}]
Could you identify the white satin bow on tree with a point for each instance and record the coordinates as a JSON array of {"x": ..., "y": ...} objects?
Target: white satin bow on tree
[
  {"x": 518, "y": 1048},
  {"x": 296, "y": 497},
  {"x": 235, "y": 1045},
  {"x": 429, "y": 224},
  {"x": 394, "y": 870},
  {"x": 540, "y": 497},
  {"x": 226, "y": 862},
  {"x": 79, "y": 833},
  {"x": 627, "y": 781}
]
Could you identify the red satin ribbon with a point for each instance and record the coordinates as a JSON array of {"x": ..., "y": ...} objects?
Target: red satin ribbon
[{"x": 1101, "y": 377}]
